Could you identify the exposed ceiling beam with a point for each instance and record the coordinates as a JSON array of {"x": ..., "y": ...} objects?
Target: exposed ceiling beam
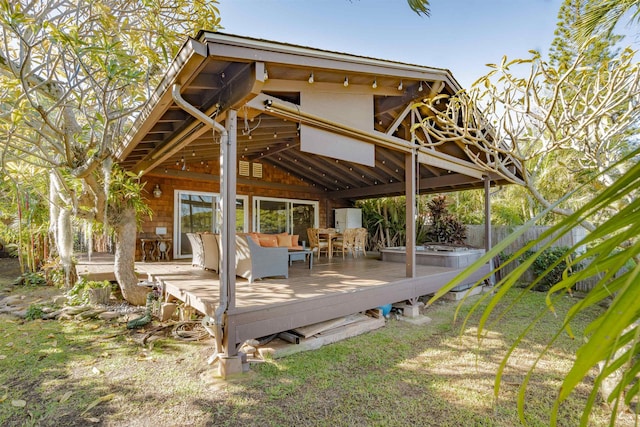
[
  {"x": 434, "y": 184},
  {"x": 237, "y": 90}
]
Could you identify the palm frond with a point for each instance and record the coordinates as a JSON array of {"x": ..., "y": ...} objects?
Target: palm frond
[{"x": 610, "y": 257}]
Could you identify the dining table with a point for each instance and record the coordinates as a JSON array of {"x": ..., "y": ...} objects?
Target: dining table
[{"x": 330, "y": 235}]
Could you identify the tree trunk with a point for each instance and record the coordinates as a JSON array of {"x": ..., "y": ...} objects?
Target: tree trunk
[
  {"x": 64, "y": 239},
  {"x": 124, "y": 265},
  {"x": 60, "y": 230}
]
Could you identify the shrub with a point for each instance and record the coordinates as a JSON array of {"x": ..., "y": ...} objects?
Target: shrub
[
  {"x": 78, "y": 295},
  {"x": 34, "y": 312},
  {"x": 545, "y": 260},
  {"x": 32, "y": 279},
  {"x": 444, "y": 227}
]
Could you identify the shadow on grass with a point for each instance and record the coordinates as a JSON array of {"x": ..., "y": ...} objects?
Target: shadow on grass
[
  {"x": 410, "y": 375},
  {"x": 400, "y": 375}
]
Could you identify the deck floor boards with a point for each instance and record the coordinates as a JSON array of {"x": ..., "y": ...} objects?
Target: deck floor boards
[
  {"x": 331, "y": 289},
  {"x": 189, "y": 283}
]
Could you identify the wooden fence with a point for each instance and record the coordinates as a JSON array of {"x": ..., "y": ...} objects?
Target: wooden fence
[{"x": 476, "y": 238}]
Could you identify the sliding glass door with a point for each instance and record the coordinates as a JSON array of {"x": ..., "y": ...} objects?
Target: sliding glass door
[
  {"x": 272, "y": 215},
  {"x": 199, "y": 212}
]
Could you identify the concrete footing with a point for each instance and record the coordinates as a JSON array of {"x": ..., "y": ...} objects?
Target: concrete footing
[
  {"x": 229, "y": 366},
  {"x": 457, "y": 296},
  {"x": 408, "y": 310}
]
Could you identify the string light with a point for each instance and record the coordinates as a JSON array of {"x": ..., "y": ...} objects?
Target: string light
[
  {"x": 375, "y": 83},
  {"x": 420, "y": 87},
  {"x": 400, "y": 85},
  {"x": 311, "y": 78},
  {"x": 346, "y": 81}
]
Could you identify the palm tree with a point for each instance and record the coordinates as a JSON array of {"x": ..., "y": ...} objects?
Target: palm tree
[
  {"x": 604, "y": 15},
  {"x": 611, "y": 260},
  {"x": 420, "y": 6}
]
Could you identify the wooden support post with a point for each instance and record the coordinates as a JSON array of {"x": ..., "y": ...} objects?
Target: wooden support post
[
  {"x": 410, "y": 194},
  {"x": 487, "y": 223},
  {"x": 228, "y": 213}
]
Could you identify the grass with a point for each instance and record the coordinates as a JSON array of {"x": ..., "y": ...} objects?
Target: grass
[{"x": 78, "y": 373}]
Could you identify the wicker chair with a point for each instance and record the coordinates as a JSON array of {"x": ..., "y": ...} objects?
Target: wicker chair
[
  {"x": 211, "y": 247},
  {"x": 362, "y": 234},
  {"x": 347, "y": 243},
  {"x": 315, "y": 244},
  {"x": 197, "y": 249}
]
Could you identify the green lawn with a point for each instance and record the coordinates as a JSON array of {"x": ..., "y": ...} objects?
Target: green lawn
[{"x": 95, "y": 373}]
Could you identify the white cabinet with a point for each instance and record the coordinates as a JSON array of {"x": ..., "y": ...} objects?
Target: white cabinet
[{"x": 348, "y": 218}]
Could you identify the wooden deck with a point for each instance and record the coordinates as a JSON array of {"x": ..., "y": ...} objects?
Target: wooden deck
[{"x": 333, "y": 288}]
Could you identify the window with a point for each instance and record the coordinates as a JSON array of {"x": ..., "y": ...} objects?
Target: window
[
  {"x": 198, "y": 212},
  {"x": 272, "y": 215}
]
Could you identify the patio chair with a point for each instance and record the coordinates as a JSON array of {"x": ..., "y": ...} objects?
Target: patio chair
[
  {"x": 315, "y": 243},
  {"x": 255, "y": 262},
  {"x": 346, "y": 243},
  {"x": 211, "y": 250},
  {"x": 362, "y": 234},
  {"x": 197, "y": 250}
]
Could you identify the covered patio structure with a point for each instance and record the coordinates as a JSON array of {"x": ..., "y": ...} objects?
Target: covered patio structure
[{"x": 257, "y": 122}]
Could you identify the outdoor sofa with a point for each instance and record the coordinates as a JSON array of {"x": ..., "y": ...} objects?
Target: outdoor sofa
[{"x": 258, "y": 255}]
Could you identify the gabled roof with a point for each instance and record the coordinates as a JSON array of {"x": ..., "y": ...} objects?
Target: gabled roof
[{"x": 282, "y": 90}]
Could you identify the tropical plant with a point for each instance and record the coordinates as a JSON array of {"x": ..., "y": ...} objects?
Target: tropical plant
[
  {"x": 605, "y": 15},
  {"x": 421, "y": 7},
  {"x": 386, "y": 221},
  {"x": 443, "y": 227},
  {"x": 549, "y": 266},
  {"x": 79, "y": 293},
  {"x": 613, "y": 255}
]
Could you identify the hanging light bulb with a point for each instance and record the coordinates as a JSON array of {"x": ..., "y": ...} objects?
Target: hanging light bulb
[
  {"x": 275, "y": 133},
  {"x": 266, "y": 74},
  {"x": 311, "y": 78},
  {"x": 346, "y": 81},
  {"x": 375, "y": 83},
  {"x": 420, "y": 87},
  {"x": 193, "y": 153},
  {"x": 400, "y": 85},
  {"x": 250, "y": 137}
]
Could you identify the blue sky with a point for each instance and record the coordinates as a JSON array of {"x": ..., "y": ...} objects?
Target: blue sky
[{"x": 460, "y": 35}]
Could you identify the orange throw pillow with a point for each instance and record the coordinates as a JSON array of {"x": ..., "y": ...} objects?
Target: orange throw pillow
[
  {"x": 294, "y": 240},
  {"x": 284, "y": 240},
  {"x": 269, "y": 242}
]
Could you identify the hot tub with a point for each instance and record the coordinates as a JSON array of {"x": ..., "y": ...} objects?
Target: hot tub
[{"x": 436, "y": 255}]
